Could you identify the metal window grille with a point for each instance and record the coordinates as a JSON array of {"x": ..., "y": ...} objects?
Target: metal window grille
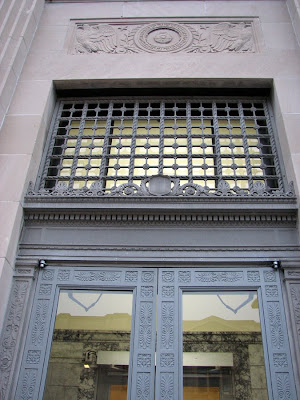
[{"x": 195, "y": 142}]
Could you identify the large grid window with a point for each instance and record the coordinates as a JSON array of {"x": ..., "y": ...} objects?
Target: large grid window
[{"x": 200, "y": 142}]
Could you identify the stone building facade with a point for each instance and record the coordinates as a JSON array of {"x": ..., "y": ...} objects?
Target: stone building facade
[{"x": 149, "y": 148}]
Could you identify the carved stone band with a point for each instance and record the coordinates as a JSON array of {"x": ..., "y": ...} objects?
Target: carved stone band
[{"x": 190, "y": 36}]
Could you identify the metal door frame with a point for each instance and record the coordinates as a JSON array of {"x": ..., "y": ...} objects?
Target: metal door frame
[{"x": 171, "y": 283}]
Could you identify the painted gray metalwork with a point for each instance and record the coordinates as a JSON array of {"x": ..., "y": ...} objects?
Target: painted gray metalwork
[
  {"x": 162, "y": 147},
  {"x": 273, "y": 327}
]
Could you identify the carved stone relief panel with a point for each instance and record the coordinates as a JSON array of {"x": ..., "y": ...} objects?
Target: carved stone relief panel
[{"x": 193, "y": 35}]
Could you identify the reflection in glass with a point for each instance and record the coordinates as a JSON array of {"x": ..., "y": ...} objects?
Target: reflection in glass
[
  {"x": 222, "y": 347},
  {"x": 90, "y": 346}
]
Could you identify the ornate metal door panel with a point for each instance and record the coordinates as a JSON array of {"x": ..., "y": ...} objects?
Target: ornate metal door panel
[
  {"x": 142, "y": 283},
  {"x": 264, "y": 281},
  {"x": 172, "y": 285}
]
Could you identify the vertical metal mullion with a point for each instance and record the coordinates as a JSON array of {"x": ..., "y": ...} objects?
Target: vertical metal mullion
[
  {"x": 50, "y": 145},
  {"x": 245, "y": 144},
  {"x": 106, "y": 150},
  {"x": 133, "y": 141},
  {"x": 217, "y": 142},
  {"x": 161, "y": 137},
  {"x": 189, "y": 141},
  {"x": 273, "y": 146},
  {"x": 78, "y": 145}
]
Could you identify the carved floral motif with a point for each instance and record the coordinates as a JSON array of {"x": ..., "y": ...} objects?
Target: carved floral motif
[
  {"x": 167, "y": 386},
  {"x": 39, "y": 322},
  {"x": 143, "y": 386},
  {"x": 167, "y": 332},
  {"x": 280, "y": 360},
  {"x": 144, "y": 361},
  {"x": 275, "y": 325},
  {"x": 11, "y": 333},
  {"x": 253, "y": 276},
  {"x": 145, "y": 328},
  {"x": 103, "y": 276},
  {"x": 63, "y": 275},
  {"x": 283, "y": 386},
  {"x": 212, "y": 276},
  {"x": 164, "y": 37},
  {"x": 28, "y": 386},
  {"x": 131, "y": 276},
  {"x": 147, "y": 291},
  {"x": 167, "y": 360}
]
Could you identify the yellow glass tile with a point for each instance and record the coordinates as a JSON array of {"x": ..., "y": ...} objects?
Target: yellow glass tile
[
  {"x": 181, "y": 141},
  {"x": 257, "y": 172},
  {"x": 210, "y": 161},
  {"x": 139, "y": 162},
  {"x": 109, "y": 184},
  {"x": 67, "y": 162},
  {"x": 98, "y": 142},
  {"x": 140, "y": 141},
  {"x": 75, "y": 124},
  {"x": 199, "y": 182},
  {"x": 65, "y": 172},
  {"x": 86, "y": 142},
  {"x": 88, "y": 123},
  {"x": 222, "y": 122},
  {"x": 122, "y": 172},
  {"x": 99, "y": 132},
  {"x": 181, "y": 122},
  {"x": 224, "y": 142},
  {"x": 223, "y": 131},
  {"x": 95, "y": 162},
  {"x": 153, "y": 141},
  {"x": 73, "y": 132},
  {"x": 210, "y": 172},
  {"x": 198, "y": 171},
  {"x": 152, "y": 171},
  {"x": 101, "y": 123},
  {"x": 80, "y": 172},
  {"x": 236, "y": 131},
  {"x": 252, "y": 142},
  {"x": 251, "y": 131},
  {"x": 124, "y": 162},
  {"x": 169, "y": 150},
  {"x": 168, "y": 162},
  {"x": 208, "y": 150},
  {"x": 78, "y": 184},
  {"x": 226, "y": 161},
  {"x": 154, "y": 122},
  {"x": 249, "y": 122},
  {"x": 154, "y": 131},
  {"x": 97, "y": 151},
  {"x": 127, "y": 131},
  {"x": 94, "y": 172},
  {"x": 153, "y": 162},
  {"x": 223, "y": 150},
  {"x": 240, "y": 161},
  {"x": 242, "y": 184},
  {"x": 125, "y": 142},
  {"x": 141, "y": 131},
  {"x": 241, "y": 171},
  {"x": 238, "y": 150},
  {"x": 140, "y": 151},
  {"x": 142, "y": 122},
  {"x": 169, "y": 171},
  {"x": 197, "y": 141},
  {"x": 181, "y": 131},
  {"x": 169, "y": 131},
  {"x": 253, "y": 150},
  {"x": 208, "y": 141},
  {"x": 125, "y": 151},
  {"x": 71, "y": 142},
  {"x": 153, "y": 150},
  {"x": 227, "y": 171},
  {"x": 237, "y": 142},
  {"x": 196, "y": 122},
  {"x": 255, "y": 161},
  {"x": 182, "y": 171},
  {"x": 82, "y": 162},
  {"x": 181, "y": 150},
  {"x": 69, "y": 152},
  {"x": 231, "y": 183},
  {"x": 182, "y": 162},
  {"x": 84, "y": 151},
  {"x": 111, "y": 172},
  {"x": 116, "y": 132},
  {"x": 211, "y": 184},
  {"x": 88, "y": 132},
  {"x": 139, "y": 171},
  {"x": 169, "y": 141}
]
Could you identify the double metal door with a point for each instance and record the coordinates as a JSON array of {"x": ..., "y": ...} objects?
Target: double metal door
[{"x": 155, "y": 350}]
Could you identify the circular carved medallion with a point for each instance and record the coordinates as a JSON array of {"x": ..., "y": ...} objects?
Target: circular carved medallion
[{"x": 163, "y": 37}]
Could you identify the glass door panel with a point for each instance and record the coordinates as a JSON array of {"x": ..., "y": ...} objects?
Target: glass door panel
[
  {"x": 222, "y": 347},
  {"x": 90, "y": 346}
]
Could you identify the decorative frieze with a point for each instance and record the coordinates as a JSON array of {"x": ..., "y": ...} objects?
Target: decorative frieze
[{"x": 192, "y": 35}]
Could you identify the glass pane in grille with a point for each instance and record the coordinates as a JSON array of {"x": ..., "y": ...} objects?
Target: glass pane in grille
[{"x": 199, "y": 142}]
